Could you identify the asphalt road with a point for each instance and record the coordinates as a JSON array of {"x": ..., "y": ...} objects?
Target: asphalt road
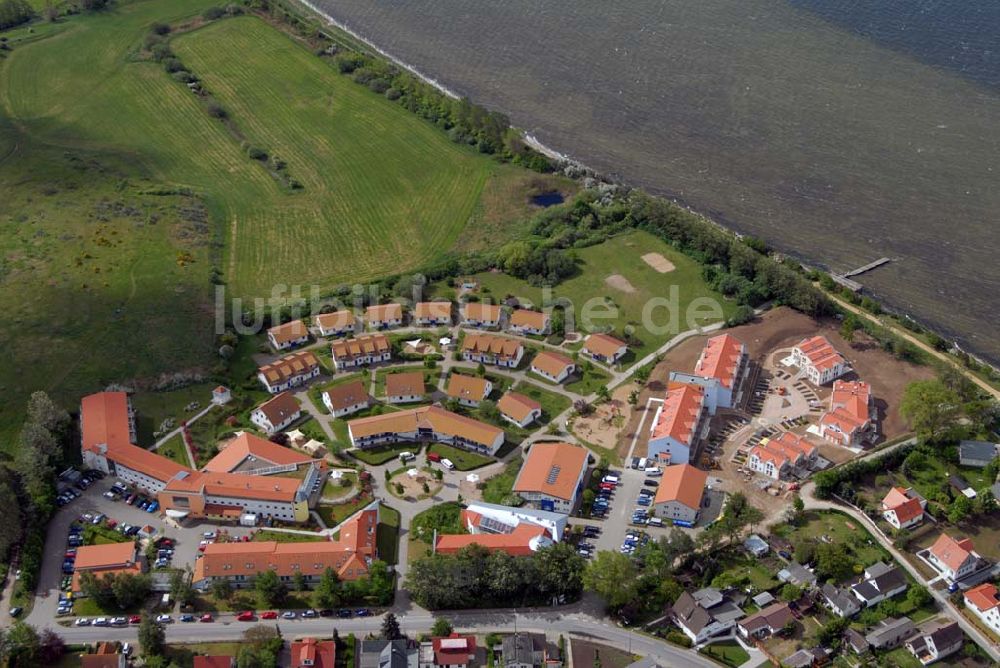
[{"x": 576, "y": 623}]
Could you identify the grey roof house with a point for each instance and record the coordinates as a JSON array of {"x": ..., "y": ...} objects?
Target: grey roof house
[
  {"x": 881, "y": 581},
  {"x": 890, "y": 633},
  {"x": 526, "y": 650},
  {"x": 388, "y": 654},
  {"x": 840, "y": 601},
  {"x": 976, "y": 453},
  {"x": 797, "y": 574},
  {"x": 934, "y": 641}
]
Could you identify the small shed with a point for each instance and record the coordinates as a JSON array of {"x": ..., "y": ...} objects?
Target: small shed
[
  {"x": 756, "y": 545},
  {"x": 976, "y": 453}
]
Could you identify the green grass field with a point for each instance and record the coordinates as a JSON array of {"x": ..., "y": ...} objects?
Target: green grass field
[
  {"x": 462, "y": 459},
  {"x": 387, "y": 536},
  {"x": 726, "y": 651},
  {"x": 552, "y": 404},
  {"x": 589, "y": 292},
  {"x": 106, "y": 279}
]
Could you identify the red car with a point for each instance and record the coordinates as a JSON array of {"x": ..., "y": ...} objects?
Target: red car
[
  {"x": 135, "y": 619},
  {"x": 207, "y": 617},
  {"x": 270, "y": 614},
  {"x": 246, "y": 616},
  {"x": 112, "y": 524}
]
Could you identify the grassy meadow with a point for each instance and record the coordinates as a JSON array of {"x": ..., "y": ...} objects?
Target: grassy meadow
[{"x": 120, "y": 193}]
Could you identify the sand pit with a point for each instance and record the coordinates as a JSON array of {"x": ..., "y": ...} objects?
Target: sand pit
[
  {"x": 619, "y": 282},
  {"x": 658, "y": 263},
  {"x": 604, "y": 427}
]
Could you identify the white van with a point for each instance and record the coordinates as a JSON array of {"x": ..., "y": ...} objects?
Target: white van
[
  {"x": 653, "y": 472},
  {"x": 642, "y": 463},
  {"x": 447, "y": 464},
  {"x": 654, "y": 522},
  {"x": 405, "y": 456}
]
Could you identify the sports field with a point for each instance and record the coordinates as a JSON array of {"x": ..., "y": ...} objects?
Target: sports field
[{"x": 106, "y": 279}]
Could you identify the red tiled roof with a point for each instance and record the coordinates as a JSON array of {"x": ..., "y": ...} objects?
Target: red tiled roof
[
  {"x": 551, "y": 363},
  {"x": 237, "y": 486},
  {"x": 603, "y": 345},
  {"x": 335, "y": 320},
  {"x": 518, "y": 543},
  {"x": 908, "y": 510},
  {"x": 453, "y": 650},
  {"x": 983, "y": 597},
  {"x": 370, "y": 344},
  {"x": 289, "y": 366},
  {"x": 461, "y": 386},
  {"x": 720, "y": 359},
  {"x": 310, "y": 652},
  {"x": 213, "y": 662},
  {"x": 405, "y": 384},
  {"x": 481, "y": 312},
  {"x": 552, "y": 469},
  {"x": 517, "y": 406},
  {"x": 498, "y": 346},
  {"x": 951, "y": 552},
  {"x": 680, "y": 412},
  {"x": 384, "y": 312},
  {"x": 347, "y": 394},
  {"x": 105, "y": 420},
  {"x": 682, "y": 483},
  {"x": 432, "y": 310},
  {"x": 112, "y": 555},
  {"x": 820, "y": 353},
  {"x": 434, "y": 417},
  {"x": 290, "y": 331},
  {"x": 247, "y": 445},
  {"x": 523, "y": 317}
]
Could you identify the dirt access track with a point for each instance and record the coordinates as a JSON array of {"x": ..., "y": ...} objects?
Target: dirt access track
[{"x": 782, "y": 328}]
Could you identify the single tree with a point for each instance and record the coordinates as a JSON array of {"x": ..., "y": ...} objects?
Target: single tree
[
  {"x": 612, "y": 576},
  {"x": 152, "y": 637},
  {"x": 390, "y": 628},
  {"x": 299, "y": 581},
  {"x": 270, "y": 588},
  {"x": 222, "y": 590},
  {"x": 441, "y": 628}
]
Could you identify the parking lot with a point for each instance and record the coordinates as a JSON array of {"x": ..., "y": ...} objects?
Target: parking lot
[{"x": 92, "y": 502}]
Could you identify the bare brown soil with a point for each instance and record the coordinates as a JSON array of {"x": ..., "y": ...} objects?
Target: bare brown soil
[
  {"x": 619, "y": 282},
  {"x": 658, "y": 263},
  {"x": 604, "y": 426}
]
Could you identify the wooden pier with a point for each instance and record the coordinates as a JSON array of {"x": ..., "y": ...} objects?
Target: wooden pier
[{"x": 845, "y": 278}]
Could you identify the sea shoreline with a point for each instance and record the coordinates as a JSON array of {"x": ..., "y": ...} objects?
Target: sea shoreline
[{"x": 807, "y": 263}]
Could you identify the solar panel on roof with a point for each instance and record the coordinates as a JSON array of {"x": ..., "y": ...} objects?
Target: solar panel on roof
[
  {"x": 553, "y": 475},
  {"x": 492, "y": 525}
]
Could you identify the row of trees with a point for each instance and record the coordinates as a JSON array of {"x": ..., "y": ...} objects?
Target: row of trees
[
  {"x": 22, "y": 646},
  {"x": 329, "y": 592},
  {"x": 121, "y": 591},
  {"x": 466, "y": 123},
  {"x": 14, "y": 13},
  {"x": 473, "y": 578}
]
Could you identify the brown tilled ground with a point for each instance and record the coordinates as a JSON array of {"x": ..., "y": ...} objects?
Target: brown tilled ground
[{"x": 604, "y": 427}]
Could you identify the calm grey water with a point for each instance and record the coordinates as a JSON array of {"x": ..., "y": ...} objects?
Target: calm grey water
[{"x": 838, "y": 130}]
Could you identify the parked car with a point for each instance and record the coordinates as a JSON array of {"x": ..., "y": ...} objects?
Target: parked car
[
  {"x": 309, "y": 614},
  {"x": 288, "y": 614},
  {"x": 83, "y": 621},
  {"x": 16, "y": 611},
  {"x": 343, "y": 613},
  {"x": 245, "y": 616},
  {"x": 101, "y": 621},
  {"x": 135, "y": 619},
  {"x": 326, "y": 612},
  {"x": 362, "y": 612},
  {"x": 207, "y": 617},
  {"x": 650, "y": 483},
  {"x": 447, "y": 464},
  {"x": 164, "y": 619},
  {"x": 187, "y": 618},
  {"x": 269, "y": 614},
  {"x": 119, "y": 621}
]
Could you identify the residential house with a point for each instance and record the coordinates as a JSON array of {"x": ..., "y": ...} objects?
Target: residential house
[
  {"x": 756, "y": 545},
  {"x": 720, "y": 370},
  {"x": 678, "y": 424},
  {"x": 805, "y": 658},
  {"x": 360, "y": 351},
  {"x": 678, "y": 497},
  {"x": 289, "y": 371},
  {"x": 221, "y": 395},
  {"x": 890, "y": 633},
  {"x": 856, "y": 641},
  {"x": 840, "y": 601},
  {"x": 248, "y": 453},
  {"x": 881, "y": 581},
  {"x": 405, "y": 388},
  {"x": 603, "y": 348},
  {"x": 704, "y": 614},
  {"x": 766, "y": 622},
  {"x": 313, "y": 653},
  {"x": 819, "y": 360},
  {"x": 468, "y": 390},
  {"x": 797, "y": 574},
  {"x": 275, "y": 414},
  {"x": 492, "y": 349},
  {"x": 954, "y": 559},
  {"x": 479, "y": 314},
  {"x": 903, "y": 507},
  {"x": 527, "y": 650},
  {"x": 110, "y": 659},
  {"x": 849, "y": 420},
  {"x": 984, "y": 603},
  {"x": 346, "y": 398},
  {"x": 523, "y": 321},
  {"x": 101, "y": 560},
  {"x": 432, "y": 314},
  {"x": 935, "y": 640},
  {"x": 336, "y": 323},
  {"x": 977, "y": 453},
  {"x": 239, "y": 563},
  {"x": 289, "y": 335},
  {"x": 384, "y": 316},
  {"x": 552, "y": 475},
  {"x": 555, "y": 367},
  {"x": 426, "y": 424},
  {"x": 402, "y": 653},
  {"x": 452, "y": 650},
  {"x": 516, "y": 531},
  {"x": 519, "y": 409},
  {"x": 779, "y": 457}
]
